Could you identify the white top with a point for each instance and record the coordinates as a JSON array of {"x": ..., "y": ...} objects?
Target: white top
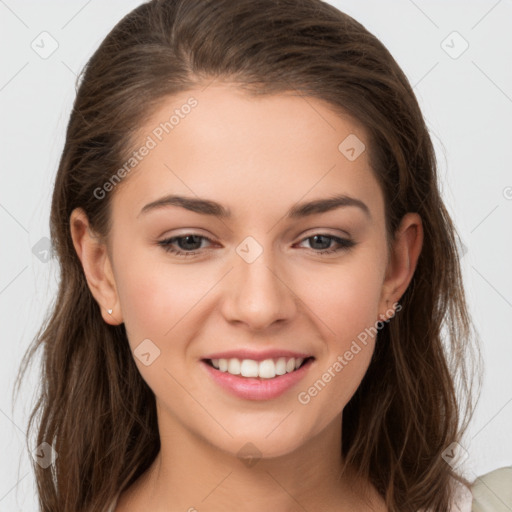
[{"x": 491, "y": 492}]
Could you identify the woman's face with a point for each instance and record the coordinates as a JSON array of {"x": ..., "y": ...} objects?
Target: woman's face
[{"x": 257, "y": 284}]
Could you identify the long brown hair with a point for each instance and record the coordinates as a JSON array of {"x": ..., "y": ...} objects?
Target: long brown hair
[{"x": 417, "y": 397}]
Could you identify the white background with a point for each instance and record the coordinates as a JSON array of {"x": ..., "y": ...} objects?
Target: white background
[{"x": 467, "y": 102}]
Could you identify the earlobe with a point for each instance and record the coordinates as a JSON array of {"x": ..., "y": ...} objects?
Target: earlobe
[
  {"x": 405, "y": 252},
  {"x": 93, "y": 255}
]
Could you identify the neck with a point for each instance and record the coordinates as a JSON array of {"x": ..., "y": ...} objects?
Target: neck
[{"x": 191, "y": 474}]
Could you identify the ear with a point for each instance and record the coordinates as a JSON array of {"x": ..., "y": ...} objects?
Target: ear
[
  {"x": 93, "y": 254},
  {"x": 405, "y": 251}
]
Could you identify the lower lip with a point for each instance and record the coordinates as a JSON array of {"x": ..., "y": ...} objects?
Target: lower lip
[{"x": 251, "y": 388}]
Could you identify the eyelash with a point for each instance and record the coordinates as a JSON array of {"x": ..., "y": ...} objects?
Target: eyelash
[{"x": 345, "y": 244}]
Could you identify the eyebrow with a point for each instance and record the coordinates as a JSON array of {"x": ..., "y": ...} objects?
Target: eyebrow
[{"x": 300, "y": 210}]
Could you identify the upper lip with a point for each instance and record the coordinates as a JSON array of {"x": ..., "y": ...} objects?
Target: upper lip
[{"x": 257, "y": 355}]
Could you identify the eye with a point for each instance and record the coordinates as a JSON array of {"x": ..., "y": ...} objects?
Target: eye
[
  {"x": 323, "y": 239},
  {"x": 190, "y": 243}
]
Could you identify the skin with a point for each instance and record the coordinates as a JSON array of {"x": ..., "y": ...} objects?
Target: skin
[{"x": 258, "y": 157}]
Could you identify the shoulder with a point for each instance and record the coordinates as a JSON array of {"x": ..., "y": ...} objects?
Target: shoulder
[{"x": 493, "y": 491}]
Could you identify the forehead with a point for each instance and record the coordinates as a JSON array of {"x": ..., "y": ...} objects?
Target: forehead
[{"x": 249, "y": 152}]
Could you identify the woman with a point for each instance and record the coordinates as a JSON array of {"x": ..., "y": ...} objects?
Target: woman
[{"x": 292, "y": 357}]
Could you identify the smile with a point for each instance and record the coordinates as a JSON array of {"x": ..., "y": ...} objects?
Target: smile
[
  {"x": 266, "y": 369},
  {"x": 257, "y": 380}
]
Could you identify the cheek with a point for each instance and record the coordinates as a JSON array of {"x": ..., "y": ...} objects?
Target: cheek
[
  {"x": 346, "y": 300},
  {"x": 142, "y": 299},
  {"x": 156, "y": 304},
  {"x": 346, "y": 303},
  {"x": 157, "y": 298},
  {"x": 349, "y": 346},
  {"x": 145, "y": 295}
]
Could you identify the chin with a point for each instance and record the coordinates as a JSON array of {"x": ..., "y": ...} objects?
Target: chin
[{"x": 256, "y": 443}]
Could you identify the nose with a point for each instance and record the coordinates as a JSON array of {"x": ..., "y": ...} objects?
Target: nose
[{"x": 259, "y": 294}]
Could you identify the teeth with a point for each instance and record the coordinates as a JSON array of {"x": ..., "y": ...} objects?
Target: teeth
[
  {"x": 266, "y": 369},
  {"x": 281, "y": 366},
  {"x": 249, "y": 368},
  {"x": 234, "y": 366}
]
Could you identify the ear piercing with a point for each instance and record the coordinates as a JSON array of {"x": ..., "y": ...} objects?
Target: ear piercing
[{"x": 109, "y": 311}]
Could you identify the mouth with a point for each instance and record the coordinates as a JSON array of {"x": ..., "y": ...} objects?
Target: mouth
[
  {"x": 251, "y": 379},
  {"x": 266, "y": 369}
]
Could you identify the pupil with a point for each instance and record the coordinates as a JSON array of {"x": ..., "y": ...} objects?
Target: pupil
[
  {"x": 326, "y": 239},
  {"x": 182, "y": 242}
]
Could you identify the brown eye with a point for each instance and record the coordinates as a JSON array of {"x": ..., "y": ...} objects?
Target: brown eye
[{"x": 187, "y": 244}]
